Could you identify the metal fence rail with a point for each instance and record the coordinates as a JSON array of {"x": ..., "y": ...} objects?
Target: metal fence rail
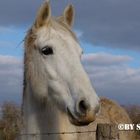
[
  {"x": 57, "y": 133},
  {"x": 103, "y": 132}
]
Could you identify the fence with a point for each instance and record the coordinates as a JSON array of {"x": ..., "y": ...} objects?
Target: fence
[{"x": 103, "y": 132}]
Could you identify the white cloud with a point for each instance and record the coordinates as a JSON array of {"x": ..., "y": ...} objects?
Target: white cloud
[
  {"x": 9, "y": 60},
  {"x": 105, "y": 59},
  {"x": 112, "y": 77},
  {"x": 10, "y": 78}
]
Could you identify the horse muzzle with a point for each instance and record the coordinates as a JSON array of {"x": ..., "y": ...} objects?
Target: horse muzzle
[{"x": 81, "y": 120}]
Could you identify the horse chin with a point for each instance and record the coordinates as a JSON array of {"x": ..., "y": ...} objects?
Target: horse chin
[{"x": 76, "y": 121}]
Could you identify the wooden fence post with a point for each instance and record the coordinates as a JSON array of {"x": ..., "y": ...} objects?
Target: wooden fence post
[{"x": 107, "y": 132}]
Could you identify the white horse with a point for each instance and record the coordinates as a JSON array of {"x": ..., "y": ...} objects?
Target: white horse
[
  {"x": 58, "y": 95},
  {"x": 57, "y": 90}
]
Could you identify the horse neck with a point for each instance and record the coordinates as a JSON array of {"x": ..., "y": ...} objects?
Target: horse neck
[{"x": 42, "y": 118}]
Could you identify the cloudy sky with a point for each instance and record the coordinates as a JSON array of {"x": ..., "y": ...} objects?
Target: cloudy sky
[{"x": 109, "y": 33}]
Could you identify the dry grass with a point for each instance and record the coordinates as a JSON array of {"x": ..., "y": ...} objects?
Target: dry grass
[
  {"x": 10, "y": 121},
  {"x": 134, "y": 113}
]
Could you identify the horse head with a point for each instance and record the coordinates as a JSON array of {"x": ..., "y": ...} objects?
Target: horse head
[{"x": 55, "y": 72}]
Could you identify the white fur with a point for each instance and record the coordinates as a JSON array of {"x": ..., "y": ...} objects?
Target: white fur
[
  {"x": 61, "y": 82},
  {"x": 64, "y": 67}
]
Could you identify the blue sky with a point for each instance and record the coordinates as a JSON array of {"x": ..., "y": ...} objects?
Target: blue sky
[{"x": 108, "y": 36}]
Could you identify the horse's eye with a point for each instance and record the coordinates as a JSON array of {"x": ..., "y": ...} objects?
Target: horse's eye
[{"x": 47, "y": 50}]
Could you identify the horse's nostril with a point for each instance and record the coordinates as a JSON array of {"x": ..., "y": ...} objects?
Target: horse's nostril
[{"x": 83, "y": 106}]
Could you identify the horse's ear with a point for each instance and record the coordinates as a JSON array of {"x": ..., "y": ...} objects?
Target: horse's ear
[
  {"x": 43, "y": 15},
  {"x": 69, "y": 15}
]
